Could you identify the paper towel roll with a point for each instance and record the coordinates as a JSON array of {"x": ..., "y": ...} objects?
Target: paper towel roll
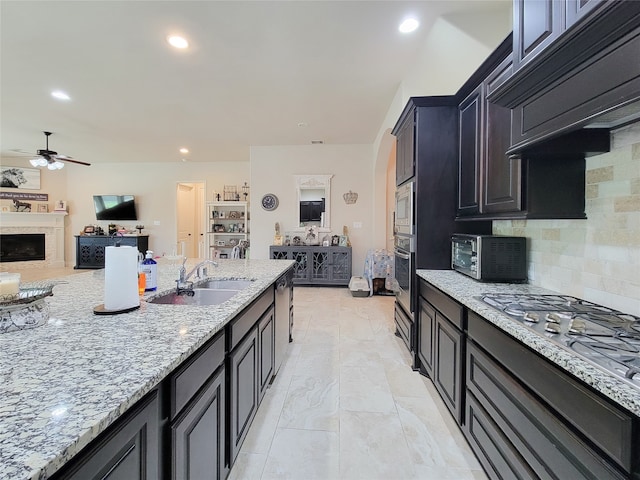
[{"x": 121, "y": 278}]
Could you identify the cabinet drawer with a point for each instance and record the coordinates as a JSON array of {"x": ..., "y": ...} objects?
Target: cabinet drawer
[
  {"x": 246, "y": 320},
  {"x": 544, "y": 443},
  {"x": 446, "y": 305},
  {"x": 191, "y": 376},
  {"x": 405, "y": 327},
  {"x": 601, "y": 422}
]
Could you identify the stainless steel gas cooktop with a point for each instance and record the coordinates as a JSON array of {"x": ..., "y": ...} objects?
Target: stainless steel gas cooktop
[{"x": 601, "y": 335}]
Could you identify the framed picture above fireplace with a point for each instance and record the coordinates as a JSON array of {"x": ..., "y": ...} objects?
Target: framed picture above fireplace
[{"x": 18, "y": 177}]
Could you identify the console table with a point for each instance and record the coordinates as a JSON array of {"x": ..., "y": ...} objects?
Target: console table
[
  {"x": 316, "y": 265},
  {"x": 90, "y": 248}
]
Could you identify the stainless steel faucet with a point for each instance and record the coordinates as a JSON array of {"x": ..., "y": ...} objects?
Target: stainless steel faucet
[{"x": 200, "y": 270}]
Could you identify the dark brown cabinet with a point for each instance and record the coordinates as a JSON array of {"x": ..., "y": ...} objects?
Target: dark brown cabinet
[
  {"x": 405, "y": 150},
  {"x": 536, "y": 24},
  {"x": 128, "y": 450},
  {"x": 90, "y": 249},
  {"x": 266, "y": 342},
  {"x": 470, "y": 152},
  {"x": 440, "y": 348}
]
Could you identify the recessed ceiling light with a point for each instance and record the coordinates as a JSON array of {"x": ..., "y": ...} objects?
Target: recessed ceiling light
[
  {"x": 60, "y": 95},
  {"x": 409, "y": 25},
  {"x": 177, "y": 41},
  {"x": 303, "y": 124},
  {"x": 184, "y": 150}
]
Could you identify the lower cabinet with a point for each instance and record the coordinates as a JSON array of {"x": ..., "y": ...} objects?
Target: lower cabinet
[
  {"x": 198, "y": 437},
  {"x": 128, "y": 450},
  {"x": 404, "y": 327},
  {"x": 440, "y": 346}
]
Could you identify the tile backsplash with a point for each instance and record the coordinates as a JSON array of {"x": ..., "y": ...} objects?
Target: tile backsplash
[{"x": 597, "y": 259}]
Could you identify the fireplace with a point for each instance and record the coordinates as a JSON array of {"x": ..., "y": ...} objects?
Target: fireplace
[
  {"x": 21, "y": 225},
  {"x": 22, "y": 247}
]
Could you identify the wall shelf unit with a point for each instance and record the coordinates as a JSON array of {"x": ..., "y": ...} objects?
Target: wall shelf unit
[{"x": 227, "y": 224}]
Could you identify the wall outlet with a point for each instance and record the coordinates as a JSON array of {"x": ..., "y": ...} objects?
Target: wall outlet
[{"x": 357, "y": 224}]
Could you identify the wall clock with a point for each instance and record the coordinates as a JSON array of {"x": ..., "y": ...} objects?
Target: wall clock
[{"x": 269, "y": 202}]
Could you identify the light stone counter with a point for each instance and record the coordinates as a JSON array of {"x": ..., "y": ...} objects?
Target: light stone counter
[
  {"x": 466, "y": 290},
  {"x": 63, "y": 383}
]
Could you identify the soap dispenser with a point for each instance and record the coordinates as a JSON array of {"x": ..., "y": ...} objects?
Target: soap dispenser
[{"x": 150, "y": 268}]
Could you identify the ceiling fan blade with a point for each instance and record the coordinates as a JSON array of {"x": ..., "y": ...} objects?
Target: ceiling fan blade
[{"x": 64, "y": 158}]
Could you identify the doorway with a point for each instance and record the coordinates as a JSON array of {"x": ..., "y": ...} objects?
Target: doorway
[{"x": 190, "y": 221}]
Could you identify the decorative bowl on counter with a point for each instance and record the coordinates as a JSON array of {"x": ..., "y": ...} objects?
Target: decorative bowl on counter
[{"x": 25, "y": 310}]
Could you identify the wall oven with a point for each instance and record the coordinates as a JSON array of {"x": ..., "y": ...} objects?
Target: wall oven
[
  {"x": 404, "y": 258},
  {"x": 404, "y": 221}
]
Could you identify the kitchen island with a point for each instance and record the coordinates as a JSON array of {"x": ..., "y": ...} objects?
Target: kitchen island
[
  {"x": 64, "y": 383},
  {"x": 525, "y": 385}
]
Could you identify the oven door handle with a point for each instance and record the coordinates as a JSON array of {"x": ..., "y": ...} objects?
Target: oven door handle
[{"x": 404, "y": 256}]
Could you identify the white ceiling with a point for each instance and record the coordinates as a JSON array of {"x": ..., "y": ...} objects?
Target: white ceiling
[{"x": 254, "y": 71}]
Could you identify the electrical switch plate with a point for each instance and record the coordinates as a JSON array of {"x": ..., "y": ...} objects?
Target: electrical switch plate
[
  {"x": 357, "y": 224},
  {"x": 156, "y": 222}
]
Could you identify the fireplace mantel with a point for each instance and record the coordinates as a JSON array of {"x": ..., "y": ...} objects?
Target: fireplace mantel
[{"x": 51, "y": 224}]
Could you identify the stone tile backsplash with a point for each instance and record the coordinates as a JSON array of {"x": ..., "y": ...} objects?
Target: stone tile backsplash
[{"x": 597, "y": 259}]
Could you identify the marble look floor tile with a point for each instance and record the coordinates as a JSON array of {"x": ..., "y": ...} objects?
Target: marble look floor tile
[
  {"x": 431, "y": 441},
  {"x": 247, "y": 466},
  {"x": 403, "y": 381},
  {"x": 318, "y": 359},
  {"x": 354, "y": 353},
  {"x": 373, "y": 446},
  {"x": 322, "y": 333},
  {"x": 365, "y": 389},
  {"x": 303, "y": 454},
  {"x": 311, "y": 404},
  {"x": 258, "y": 439}
]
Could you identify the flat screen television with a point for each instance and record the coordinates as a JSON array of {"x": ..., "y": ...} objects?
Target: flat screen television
[{"x": 115, "y": 207}]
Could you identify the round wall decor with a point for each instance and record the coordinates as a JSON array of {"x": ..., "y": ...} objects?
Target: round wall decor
[{"x": 269, "y": 202}]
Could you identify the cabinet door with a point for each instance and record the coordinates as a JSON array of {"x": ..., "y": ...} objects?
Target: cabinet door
[
  {"x": 243, "y": 365},
  {"x": 470, "y": 138},
  {"x": 198, "y": 437},
  {"x": 266, "y": 340},
  {"x": 501, "y": 176},
  {"x": 319, "y": 267},
  {"x": 340, "y": 270},
  {"x": 302, "y": 268},
  {"x": 130, "y": 450},
  {"x": 448, "y": 365},
  {"x": 426, "y": 328},
  {"x": 405, "y": 151},
  {"x": 579, "y": 9},
  {"x": 537, "y": 23}
]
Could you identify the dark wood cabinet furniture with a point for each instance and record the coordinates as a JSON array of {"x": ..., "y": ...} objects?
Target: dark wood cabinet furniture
[
  {"x": 572, "y": 68},
  {"x": 90, "y": 248},
  {"x": 197, "y": 415},
  {"x": 546, "y": 181},
  {"x": 405, "y": 149},
  {"x": 441, "y": 323},
  {"x": 129, "y": 450},
  {"x": 251, "y": 366},
  {"x": 523, "y": 416},
  {"x": 316, "y": 265}
]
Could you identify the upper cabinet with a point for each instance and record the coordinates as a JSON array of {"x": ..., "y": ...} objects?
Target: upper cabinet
[
  {"x": 574, "y": 65},
  {"x": 405, "y": 148}
]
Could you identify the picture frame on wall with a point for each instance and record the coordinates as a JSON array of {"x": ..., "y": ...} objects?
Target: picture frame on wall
[
  {"x": 43, "y": 208},
  {"x": 18, "y": 177}
]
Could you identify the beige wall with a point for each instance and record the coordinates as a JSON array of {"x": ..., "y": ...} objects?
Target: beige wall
[
  {"x": 597, "y": 259},
  {"x": 273, "y": 170},
  {"x": 153, "y": 184}
]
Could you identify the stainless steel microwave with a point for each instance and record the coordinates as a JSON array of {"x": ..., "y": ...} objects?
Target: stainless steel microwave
[
  {"x": 490, "y": 258},
  {"x": 404, "y": 220}
]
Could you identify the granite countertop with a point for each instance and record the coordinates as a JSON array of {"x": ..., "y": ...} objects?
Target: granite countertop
[
  {"x": 466, "y": 290},
  {"x": 63, "y": 383}
]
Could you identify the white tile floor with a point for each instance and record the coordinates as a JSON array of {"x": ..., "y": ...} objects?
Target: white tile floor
[{"x": 346, "y": 404}]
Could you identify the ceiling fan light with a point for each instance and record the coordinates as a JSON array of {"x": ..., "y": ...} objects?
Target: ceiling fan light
[
  {"x": 58, "y": 165},
  {"x": 35, "y": 162}
]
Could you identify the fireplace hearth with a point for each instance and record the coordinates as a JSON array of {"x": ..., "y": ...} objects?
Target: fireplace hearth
[{"x": 22, "y": 247}]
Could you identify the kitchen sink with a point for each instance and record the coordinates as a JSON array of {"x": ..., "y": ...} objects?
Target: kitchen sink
[
  {"x": 209, "y": 292},
  {"x": 226, "y": 284},
  {"x": 201, "y": 296}
]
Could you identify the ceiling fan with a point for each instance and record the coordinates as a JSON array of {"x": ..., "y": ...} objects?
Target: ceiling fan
[{"x": 51, "y": 160}]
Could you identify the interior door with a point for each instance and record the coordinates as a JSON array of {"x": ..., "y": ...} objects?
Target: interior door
[{"x": 186, "y": 206}]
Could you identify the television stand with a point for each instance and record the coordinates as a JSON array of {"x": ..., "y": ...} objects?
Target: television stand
[{"x": 90, "y": 248}]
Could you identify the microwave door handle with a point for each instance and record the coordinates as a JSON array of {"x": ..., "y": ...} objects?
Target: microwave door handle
[{"x": 404, "y": 256}]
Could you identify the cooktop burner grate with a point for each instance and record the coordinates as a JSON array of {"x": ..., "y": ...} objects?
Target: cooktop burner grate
[{"x": 599, "y": 334}]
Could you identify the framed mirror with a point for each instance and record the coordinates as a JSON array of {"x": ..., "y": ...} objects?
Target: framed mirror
[{"x": 314, "y": 200}]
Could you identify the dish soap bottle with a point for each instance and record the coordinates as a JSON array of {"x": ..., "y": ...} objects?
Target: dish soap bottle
[{"x": 150, "y": 269}]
